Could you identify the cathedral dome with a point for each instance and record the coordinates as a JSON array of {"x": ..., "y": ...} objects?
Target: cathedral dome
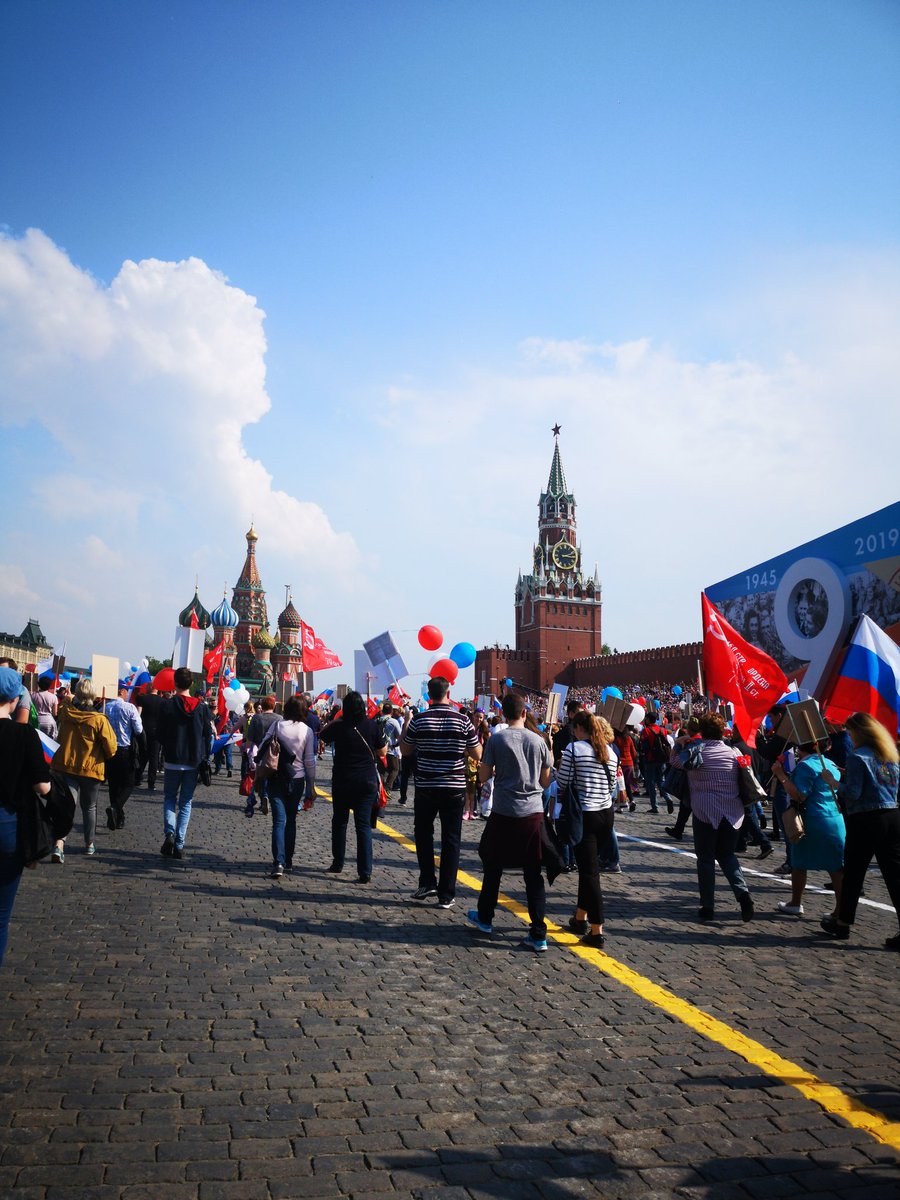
[
  {"x": 290, "y": 618},
  {"x": 263, "y": 640},
  {"x": 224, "y": 617},
  {"x": 198, "y": 611}
]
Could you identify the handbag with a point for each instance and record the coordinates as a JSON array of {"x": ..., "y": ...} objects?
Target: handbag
[
  {"x": 35, "y": 834},
  {"x": 792, "y": 823},
  {"x": 750, "y": 790},
  {"x": 246, "y": 785},
  {"x": 382, "y": 791},
  {"x": 570, "y": 824},
  {"x": 675, "y": 783},
  {"x": 269, "y": 763},
  {"x": 204, "y": 772}
]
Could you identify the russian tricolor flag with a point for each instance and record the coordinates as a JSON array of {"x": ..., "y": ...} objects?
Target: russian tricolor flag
[
  {"x": 868, "y": 679},
  {"x": 48, "y": 745}
]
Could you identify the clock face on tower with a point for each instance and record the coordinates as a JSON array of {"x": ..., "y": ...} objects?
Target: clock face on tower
[{"x": 565, "y": 556}]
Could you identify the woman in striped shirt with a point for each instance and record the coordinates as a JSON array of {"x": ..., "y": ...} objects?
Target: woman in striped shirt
[
  {"x": 588, "y": 763},
  {"x": 718, "y": 812}
]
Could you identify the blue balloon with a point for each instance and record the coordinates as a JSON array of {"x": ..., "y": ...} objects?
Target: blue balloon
[
  {"x": 610, "y": 691},
  {"x": 463, "y": 654},
  {"x": 508, "y": 682},
  {"x": 235, "y": 685},
  {"x": 677, "y": 690}
]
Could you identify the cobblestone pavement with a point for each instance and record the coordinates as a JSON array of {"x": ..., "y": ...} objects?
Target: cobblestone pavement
[{"x": 196, "y": 1031}]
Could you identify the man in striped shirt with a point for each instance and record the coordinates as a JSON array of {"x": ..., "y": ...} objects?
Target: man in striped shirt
[{"x": 440, "y": 738}]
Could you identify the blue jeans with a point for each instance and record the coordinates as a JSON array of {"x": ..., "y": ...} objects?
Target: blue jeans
[
  {"x": 284, "y": 802},
  {"x": 611, "y": 856},
  {"x": 653, "y": 774},
  {"x": 177, "y": 797},
  {"x": 717, "y": 846},
  {"x": 10, "y": 872},
  {"x": 226, "y": 752}
]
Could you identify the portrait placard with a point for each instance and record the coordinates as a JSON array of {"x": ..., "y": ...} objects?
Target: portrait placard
[
  {"x": 802, "y": 723},
  {"x": 554, "y": 704}
]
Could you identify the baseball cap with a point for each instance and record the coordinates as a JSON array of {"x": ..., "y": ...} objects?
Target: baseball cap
[{"x": 10, "y": 684}]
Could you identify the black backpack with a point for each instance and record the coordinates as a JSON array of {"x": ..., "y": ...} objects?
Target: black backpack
[{"x": 657, "y": 750}]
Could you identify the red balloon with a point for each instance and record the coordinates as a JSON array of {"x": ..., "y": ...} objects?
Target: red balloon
[
  {"x": 165, "y": 680},
  {"x": 430, "y": 637},
  {"x": 445, "y": 667}
]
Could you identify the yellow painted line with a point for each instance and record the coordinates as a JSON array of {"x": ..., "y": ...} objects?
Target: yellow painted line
[{"x": 828, "y": 1097}]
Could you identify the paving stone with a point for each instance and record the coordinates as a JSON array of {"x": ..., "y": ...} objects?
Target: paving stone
[{"x": 239, "y": 1039}]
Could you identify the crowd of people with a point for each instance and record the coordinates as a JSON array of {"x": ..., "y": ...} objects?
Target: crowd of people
[{"x": 549, "y": 796}]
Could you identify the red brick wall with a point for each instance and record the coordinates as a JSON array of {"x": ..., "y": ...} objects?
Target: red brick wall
[{"x": 663, "y": 664}]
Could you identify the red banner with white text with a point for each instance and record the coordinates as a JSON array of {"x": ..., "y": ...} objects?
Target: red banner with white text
[{"x": 739, "y": 673}]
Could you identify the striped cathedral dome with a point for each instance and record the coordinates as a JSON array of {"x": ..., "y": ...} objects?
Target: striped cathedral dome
[{"x": 224, "y": 617}]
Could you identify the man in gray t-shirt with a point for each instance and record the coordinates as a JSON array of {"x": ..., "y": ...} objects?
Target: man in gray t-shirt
[
  {"x": 518, "y": 757},
  {"x": 521, "y": 764}
]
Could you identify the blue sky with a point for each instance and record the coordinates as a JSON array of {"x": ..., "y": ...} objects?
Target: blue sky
[{"x": 672, "y": 228}]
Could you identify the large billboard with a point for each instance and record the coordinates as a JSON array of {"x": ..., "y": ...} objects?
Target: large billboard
[{"x": 799, "y": 605}]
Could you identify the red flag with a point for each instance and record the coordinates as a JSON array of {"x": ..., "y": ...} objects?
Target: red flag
[
  {"x": 396, "y": 696},
  {"x": 316, "y": 655},
  {"x": 372, "y": 709},
  {"x": 221, "y": 710},
  {"x": 739, "y": 672},
  {"x": 195, "y": 624},
  {"x": 212, "y": 662}
]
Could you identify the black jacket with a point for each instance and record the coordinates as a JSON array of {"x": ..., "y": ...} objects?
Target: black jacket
[{"x": 184, "y": 731}]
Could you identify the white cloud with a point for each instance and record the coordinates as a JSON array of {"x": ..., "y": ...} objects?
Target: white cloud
[
  {"x": 146, "y": 388},
  {"x": 686, "y": 469},
  {"x": 14, "y": 589}
]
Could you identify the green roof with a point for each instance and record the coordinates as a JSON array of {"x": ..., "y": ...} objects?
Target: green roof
[{"x": 557, "y": 482}]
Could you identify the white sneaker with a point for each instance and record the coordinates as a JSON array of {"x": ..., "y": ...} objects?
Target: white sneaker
[{"x": 790, "y": 910}]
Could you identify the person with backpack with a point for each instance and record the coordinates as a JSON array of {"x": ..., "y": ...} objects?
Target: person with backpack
[
  {"x": 655, "y": 750},
  {"x": 185, "y": 733}
]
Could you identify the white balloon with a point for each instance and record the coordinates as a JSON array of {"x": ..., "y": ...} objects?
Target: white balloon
[{"x": 637, "y": 714}]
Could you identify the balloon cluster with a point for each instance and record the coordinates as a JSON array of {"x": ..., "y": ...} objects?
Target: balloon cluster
[
  {"x": 461, "y": 656},
  {"x": 235, "y": 696}
]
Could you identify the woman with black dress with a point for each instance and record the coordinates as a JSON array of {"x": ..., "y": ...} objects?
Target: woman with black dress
[{"x": 358, "y": 742}]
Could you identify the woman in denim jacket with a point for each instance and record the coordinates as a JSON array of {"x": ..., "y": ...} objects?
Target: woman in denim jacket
[{"x": 868, "y": 795}]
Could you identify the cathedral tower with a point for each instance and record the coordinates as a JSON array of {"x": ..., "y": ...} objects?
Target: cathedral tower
[{"x": 249, "y": 601}]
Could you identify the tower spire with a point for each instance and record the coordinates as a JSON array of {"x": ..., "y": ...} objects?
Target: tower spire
[{"x": 556, "y": 485}]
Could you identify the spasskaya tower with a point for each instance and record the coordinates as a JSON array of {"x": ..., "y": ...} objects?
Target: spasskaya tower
[{"x": 557, "y": 608}]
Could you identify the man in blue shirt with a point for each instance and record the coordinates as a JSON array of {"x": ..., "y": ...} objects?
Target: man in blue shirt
[{"x": 126, "y": 724}]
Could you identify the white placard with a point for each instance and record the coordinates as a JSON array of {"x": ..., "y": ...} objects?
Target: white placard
[{"x": 188, "y": 650}]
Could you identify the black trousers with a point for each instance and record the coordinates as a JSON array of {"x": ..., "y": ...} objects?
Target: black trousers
[
  {"x": 447, "y": 804},
  {"x": 592, "y": 847},
  {"x": 870, "y": 834},
  {"x": 535, "y": 894},
  {"x": 148, "y": 756},
  {"x": 120, "y": 778},
  {"x": 407, "y": 766}
]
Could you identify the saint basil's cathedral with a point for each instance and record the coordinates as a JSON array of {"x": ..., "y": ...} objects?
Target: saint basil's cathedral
[{"x": 268, "y": 666}]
